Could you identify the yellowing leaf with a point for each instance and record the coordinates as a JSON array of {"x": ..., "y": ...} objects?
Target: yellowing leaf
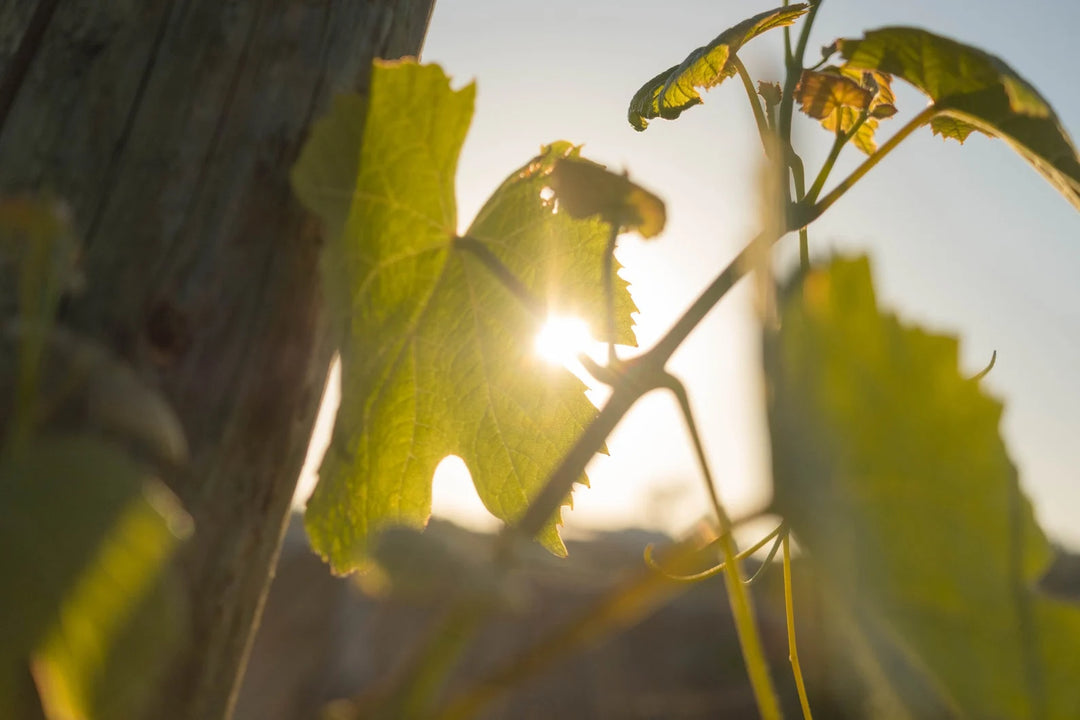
[
  {"x": 438, "y": 354},
  {"x": 839, "y": 98},
  {"x": 973, "y": 91},
  {"x": 864, "y": 136},
  {"x": 671, "y": 92},
  {"x": 846, "y": 118},
  {"x": 823, "y": 94},
  {"x": 585, "y": 189},
  {"x": 890, "y": 468}
]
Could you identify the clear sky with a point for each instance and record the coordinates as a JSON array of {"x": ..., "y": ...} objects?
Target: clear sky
[{"x": 967, "y": 240}]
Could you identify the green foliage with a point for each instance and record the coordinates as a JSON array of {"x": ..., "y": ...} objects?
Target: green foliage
[
  {"x": 671, "y": 92},
  {"x": 890, "y": 468},
  {"x": 437, "y": 355},
  {"x": 973, "y": 91},
  {"x": 86, "y": 533}
]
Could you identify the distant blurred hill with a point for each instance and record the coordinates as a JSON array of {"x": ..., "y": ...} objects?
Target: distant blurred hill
[{"x": 323, "y": 638}]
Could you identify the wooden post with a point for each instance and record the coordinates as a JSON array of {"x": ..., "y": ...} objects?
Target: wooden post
[{"x": 169, "y": 127}]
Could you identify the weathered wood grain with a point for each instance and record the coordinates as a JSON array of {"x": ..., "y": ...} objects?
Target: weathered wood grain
[{"x": 170, "y": 127}]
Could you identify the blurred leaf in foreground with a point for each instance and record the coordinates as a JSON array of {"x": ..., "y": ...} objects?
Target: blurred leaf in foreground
[
  {"x": 890, "y": 468},
  {"x": 85, "y": 534}
]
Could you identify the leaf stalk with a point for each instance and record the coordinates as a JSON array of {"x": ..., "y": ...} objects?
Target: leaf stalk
[
  {"x": 798, "y": 174},
  {"x": 838, "y": 192},
  {"x": 650, "y": 560},
  {"x": 755, "y": 104},
  {"x": 839, "y": 142},
  {"x": 742, "y": 609},
  {"x": 793, "y": 649}
]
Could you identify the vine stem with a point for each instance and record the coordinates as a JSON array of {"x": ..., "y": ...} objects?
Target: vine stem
[
  {"x": 793, "y": 73},
  {"x": 793, "y": 65},
  {"x": 798, "y": 174},
  {"x": 644, "y": 373},
  {"x": 779, "y": 533},
  {"x": 912, "y": 125},
  {"x": 838, "y": 145},
  {"x": 755, "y": 104},
  {"x": 572, "y": 466},
  {"x": 716, "y": 569},
  {"x": 679, "y": 391},
  {"x": 749, "y": 638},
  {"x": 787, "y": 40},
  {"x": 839, "y": 140},
  {"x": 742, "y": 609},
  {"x": 638, "y": 376},
  {"x": 793, "y": 650}
]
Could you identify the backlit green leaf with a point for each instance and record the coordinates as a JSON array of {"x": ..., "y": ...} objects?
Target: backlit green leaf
[
  {"x": 950, "y": 127},
  {"x": 671, "y": 92},
  {"x": 890, "y": 468},
  {"x": 438, "y": 357},
  {"x": 85, "y": 534},
  {"x": 974, "y": 91}
]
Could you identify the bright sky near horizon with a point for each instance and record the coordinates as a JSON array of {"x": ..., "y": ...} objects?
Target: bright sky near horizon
[{"x": 967, "y": 240}]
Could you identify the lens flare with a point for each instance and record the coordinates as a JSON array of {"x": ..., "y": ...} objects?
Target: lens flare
[{"x": 562, "y": 339}]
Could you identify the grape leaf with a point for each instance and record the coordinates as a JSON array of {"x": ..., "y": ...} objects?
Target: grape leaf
[
  {"x": 584, "y": 188},
  {"x": 671, "y": 92},
  {"x": 890, "y": 468},
  {"x": 973, "y": 91},
  {"x": 85, "y": 534},
  {"x": 838, "y": 97},
  {"x": 949, "y": 127},
  {"x": 822, "y": 94},
  {"x": 437, "y": 357}
]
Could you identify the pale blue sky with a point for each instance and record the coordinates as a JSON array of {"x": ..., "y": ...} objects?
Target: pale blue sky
[{"x": 964, "y": 239}]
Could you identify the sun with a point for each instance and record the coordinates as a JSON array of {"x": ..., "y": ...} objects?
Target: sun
[{"x": 562, "y": 339}]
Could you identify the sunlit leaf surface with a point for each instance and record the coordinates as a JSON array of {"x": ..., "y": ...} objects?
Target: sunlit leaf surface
[
  {"x": 890, "y": 467},
  {"x": 974, "y": 91},
  {"x": 671, "y": 92},
  {"x": 822, "y": 94},
  {"x": 839, "y": 98},
  {"x": 85, "y": 534},
  {"x": 438, "y": 354}
]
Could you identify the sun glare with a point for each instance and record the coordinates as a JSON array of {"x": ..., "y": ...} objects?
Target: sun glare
[{"x": 562, "y": 339}]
